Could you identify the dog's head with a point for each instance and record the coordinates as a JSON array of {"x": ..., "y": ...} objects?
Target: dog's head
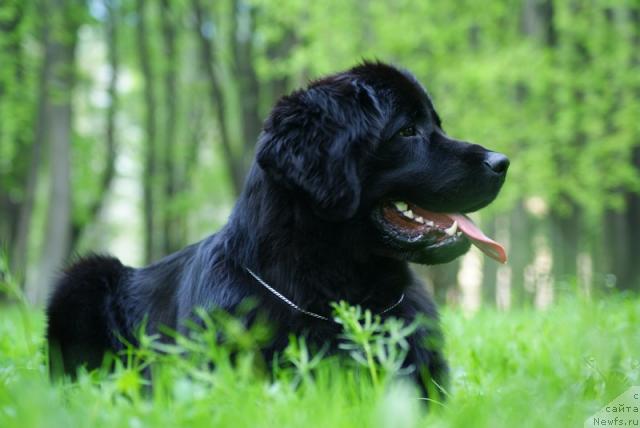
[{"x": 366, "y": 147}]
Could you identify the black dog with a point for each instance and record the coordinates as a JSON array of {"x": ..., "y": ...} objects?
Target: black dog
[{"x": 354, "y": 177}]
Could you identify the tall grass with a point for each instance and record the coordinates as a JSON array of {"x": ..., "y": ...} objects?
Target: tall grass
[{"x": 522, "y": 368}]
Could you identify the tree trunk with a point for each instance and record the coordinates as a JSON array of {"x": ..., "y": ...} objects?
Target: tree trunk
[
  {"x": 110, "y": 138},
  {"x": 631, "y": 281},
  {"x": 521, "y": 233},
  {"x": 243, "y": 16},
  {"x": 10, "y": 56},
  {"x": 233, "y": 161},
  {"x": 16, "y": 207},
  {"x": 614, "y": 258},
  {"x": 444, "y": 279},
  {"x": 172, "y": 237},
  {"x": 61, "y": 45},
  {"x": 150, "y": 163},
  {"x": 564, "y": 227},
  {"x": 279, "y": 85},
  {"x": 566, "y": 236},
  {"x": 619, "y": 246},
  {"x": 565, "y": 233}
]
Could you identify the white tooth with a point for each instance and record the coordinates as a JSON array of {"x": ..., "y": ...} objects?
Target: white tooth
[
  {"x": 408, "y": 214},
  {"x": 419, "y": 219},
  {"x": 429, "y": 223},
  {"x": 401, "y": 206},
  {"x": 452, "y": 230}
]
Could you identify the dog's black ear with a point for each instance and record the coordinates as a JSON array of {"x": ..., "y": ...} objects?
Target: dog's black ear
[{"x": 313, "y": 139}]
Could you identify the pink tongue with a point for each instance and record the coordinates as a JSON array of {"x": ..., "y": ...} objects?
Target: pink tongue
[{"x": 487, "y": 245}]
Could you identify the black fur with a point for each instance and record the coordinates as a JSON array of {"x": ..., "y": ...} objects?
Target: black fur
[{"x": 327, "y": 157}]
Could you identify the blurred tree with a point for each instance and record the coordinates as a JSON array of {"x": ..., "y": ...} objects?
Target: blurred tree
[
  {"x": 553, "y": 84},
  {"x": 172, "y": 240},
  {"x": 204, "y": 30},
  {"x": 19, "y": 157},
  {"x": 98, "y": 198},
  {"x": 622, "y": 226},
  {"x": 150, "y": 179},
  {"x": 60, "y": 38}
]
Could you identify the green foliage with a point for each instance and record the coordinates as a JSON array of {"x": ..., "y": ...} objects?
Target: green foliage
[
  {"x": 553, "y": 84},
  {"x": 379, "y": 346}
]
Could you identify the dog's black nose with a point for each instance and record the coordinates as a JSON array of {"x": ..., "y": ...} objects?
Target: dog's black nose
[{"x": 497, "y": 162}]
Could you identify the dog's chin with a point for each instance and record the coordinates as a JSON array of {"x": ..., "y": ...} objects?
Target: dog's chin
[{"x": 416, "y": 240}]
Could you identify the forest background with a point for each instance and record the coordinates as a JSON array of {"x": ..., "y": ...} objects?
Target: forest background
[{"x": 126, "y": 126}]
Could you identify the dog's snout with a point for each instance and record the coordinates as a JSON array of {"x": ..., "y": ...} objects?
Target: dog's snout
[{"x": 497, "y": 162}]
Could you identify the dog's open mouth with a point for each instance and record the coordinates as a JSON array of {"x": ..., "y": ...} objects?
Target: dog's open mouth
[{"x": 417, "y": 227}]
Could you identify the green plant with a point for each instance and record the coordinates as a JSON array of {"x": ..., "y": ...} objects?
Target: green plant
[{"x": 379, "y": 346}]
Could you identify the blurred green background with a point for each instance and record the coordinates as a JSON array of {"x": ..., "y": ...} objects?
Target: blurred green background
[{"x": 126, "y": 126}]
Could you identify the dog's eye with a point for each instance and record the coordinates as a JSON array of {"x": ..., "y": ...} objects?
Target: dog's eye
[{"x": 409, "y": 131}]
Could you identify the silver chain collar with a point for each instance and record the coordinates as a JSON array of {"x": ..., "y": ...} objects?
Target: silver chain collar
[{"x": 304, "y": 311}]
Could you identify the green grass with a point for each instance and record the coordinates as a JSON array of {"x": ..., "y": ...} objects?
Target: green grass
[{"x": 521, "y": 368}]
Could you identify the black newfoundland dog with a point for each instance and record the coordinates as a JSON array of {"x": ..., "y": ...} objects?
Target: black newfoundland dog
[{"x": 354, "y": 177}]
